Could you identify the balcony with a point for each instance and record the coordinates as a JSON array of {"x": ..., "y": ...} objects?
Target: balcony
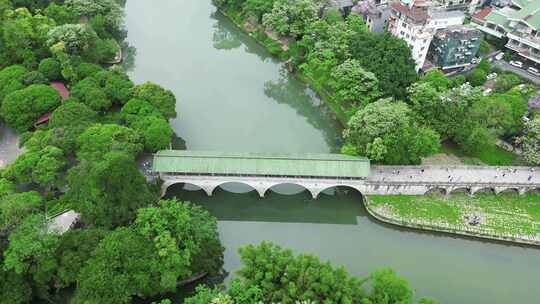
[
  {"x": 524, "y": 38},
  {"x": 525, "y": 51}
]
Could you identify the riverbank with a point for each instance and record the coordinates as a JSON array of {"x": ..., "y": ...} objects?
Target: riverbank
[
  {"x": 505, "y": 217},
  {"x": 280, "y": 50}
]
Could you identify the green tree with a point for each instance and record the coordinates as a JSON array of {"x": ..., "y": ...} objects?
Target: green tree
[
  {"x": 15, "y": 207},
  {"x": 25, "y": 36},
  {"x": 61, "y": 14},
  {"x": 34, "y": 77},
  {"x": 282, "y": 277},
  {"x": 109, "y": 10},
  {"x": 388, "y": 288},
  {"x": 385, "y": 131},
  {"x": 136, "y": 109},
  {"x": 75, "y": 249},
  {"x": 160, "y": 98},
  {"x": 31, "y": 251},
  {"x": 186, "y": 237},
  {"x": 156, "y": 132},
  {"x": 22, "y": 108},
  {"x": 71, "y": 115},
  {"x": 116, "y": 85},
  {"x": 291, "y": 17},
  {"x": 477, "y": 78},
  {"x": 152, "y": 256},
  {"x": 11, "y": 80},
  {"x": 506, "y": 82},
  {"x": 14, "y": 288},
  {"x": 100, "y": 139},
  {"x": 353, "y": 85},
  {"x": 107, "y": 191},
  {"x": 388, "y": 57},
  {"x": 531, "y": 141},
  {"x": 485, "y": 66},
  {"x": 258, "y": 8},
  {"x": 44, "y": 167},
  {"x": 437, "y": 79},
  {"x": 89, "y": 92},
  {"x": 6, "y": 187},
  {"x": 124, "y": 264},
  {"x": 76, "y": 39},
  {"x": 484, "y": 48}
]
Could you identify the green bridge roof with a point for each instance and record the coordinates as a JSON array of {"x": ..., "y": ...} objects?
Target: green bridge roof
[{"x": 309, "y": 164}]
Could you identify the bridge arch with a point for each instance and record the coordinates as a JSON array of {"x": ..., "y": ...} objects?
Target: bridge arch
[
  {"x": 436, "y": 190},
  {"x": 168, "y": 184},
  {"x": 253, "y": 186},
  {"x": 321, "y": 190},
  {"x": 533, "y": 191},
  {"x": 509, "y": 190},
  {"x": 489, "y": 190},
  {"x": 305, "y": 187},
  {"x": 466, "y": 190}
]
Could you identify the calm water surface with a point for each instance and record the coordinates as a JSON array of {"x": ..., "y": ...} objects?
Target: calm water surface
[{"x": 233, "y": 97}]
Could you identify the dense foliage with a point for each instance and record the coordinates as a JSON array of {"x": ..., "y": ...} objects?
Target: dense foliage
[
  {"x": 82, "y": 157},
  {"x": 272, "y": 274}
]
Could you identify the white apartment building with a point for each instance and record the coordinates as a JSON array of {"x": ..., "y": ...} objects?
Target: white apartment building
[{"x": 417, "y": 24}]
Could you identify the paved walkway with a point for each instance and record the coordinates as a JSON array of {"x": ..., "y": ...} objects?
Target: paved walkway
[{"x": 456, "y": 174}]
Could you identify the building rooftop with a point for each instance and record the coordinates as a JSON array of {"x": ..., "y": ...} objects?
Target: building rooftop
[
  {"x": 529, "y": 13},
  {"x": 307, "y": 164},
  {"x": 415, "y": 13},
  {"x": 482, "y": 14},
  {"x": 60, "y": 88}
]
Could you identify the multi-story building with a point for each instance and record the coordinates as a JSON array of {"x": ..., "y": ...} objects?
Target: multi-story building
[
  {"x": 416, "y": 23},
  {"x": 520, "y": 23},
  {"x": 374, "y": 12},
  {"x": 454, "y": 47},
  {"x": 468, "y": 6}
]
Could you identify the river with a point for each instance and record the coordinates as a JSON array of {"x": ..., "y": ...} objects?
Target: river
[{"x": 232, "y": 96}]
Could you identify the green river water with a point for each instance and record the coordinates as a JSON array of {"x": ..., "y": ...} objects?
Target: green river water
[{"x": 232, "y": 96}]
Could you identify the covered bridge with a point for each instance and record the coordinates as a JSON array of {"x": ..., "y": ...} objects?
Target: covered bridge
[{"x": 299, "y": 165}]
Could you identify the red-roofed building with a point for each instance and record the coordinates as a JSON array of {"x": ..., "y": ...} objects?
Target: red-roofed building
[
  {"x": 43, "y": 119},
  {"x": 482, "y": 14},
  {"x": 61, "y": 88}
]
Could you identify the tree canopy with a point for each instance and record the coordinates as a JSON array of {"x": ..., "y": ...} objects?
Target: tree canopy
[{"x": 22, "y": 108}]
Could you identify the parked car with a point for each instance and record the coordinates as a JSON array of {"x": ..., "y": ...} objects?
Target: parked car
[
  {"x": 499, "y": 56},
  {"x": 517, "y": 64},
  {"x": 491, "y": 76},
  {"x": 475, "y": 60},
  {"x": 533, "y": 71}
]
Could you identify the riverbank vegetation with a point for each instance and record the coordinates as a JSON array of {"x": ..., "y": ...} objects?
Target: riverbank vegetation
[
  {"x": 83, "y": 125},
  {"x": 271, "y": 274},
  {"x": 369, "y": 80},
  {"x": 507, "y": 215}
]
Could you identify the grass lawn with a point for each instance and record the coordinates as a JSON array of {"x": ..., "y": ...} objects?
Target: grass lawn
[
  {"x": 506, "y": 214},
  {"x": 494, "y": 156}
]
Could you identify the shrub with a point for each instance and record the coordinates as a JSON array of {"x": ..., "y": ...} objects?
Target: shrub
[{"x": 50, "y": 68}]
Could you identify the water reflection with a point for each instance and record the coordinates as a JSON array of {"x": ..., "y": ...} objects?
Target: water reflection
[
  {"x": 290, "y": 91},
  {"x": 231, "y": 202}
]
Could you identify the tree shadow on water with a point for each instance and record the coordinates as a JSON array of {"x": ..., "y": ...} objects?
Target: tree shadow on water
[{"x": 291, "y": 91}]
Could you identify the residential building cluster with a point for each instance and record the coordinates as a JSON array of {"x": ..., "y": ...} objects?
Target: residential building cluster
[
  {"x": 515, "y": 20},
  {"x": 436, "y": 32}
]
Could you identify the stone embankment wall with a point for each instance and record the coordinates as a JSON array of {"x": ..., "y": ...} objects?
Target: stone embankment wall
[{"x": 447, "y": 228}]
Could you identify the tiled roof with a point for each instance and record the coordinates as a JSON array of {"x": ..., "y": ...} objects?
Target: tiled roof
[
  {"x": 482, "y": 14},
  {"x": 415, "y": 13}
]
